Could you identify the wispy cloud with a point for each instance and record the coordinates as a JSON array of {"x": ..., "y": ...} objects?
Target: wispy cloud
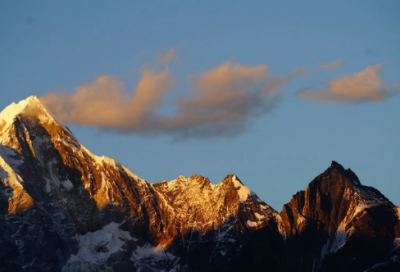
[
  {"x": 104, "y": 102},
  {"x": 332, "y": 65},
  {"x": 222, "y": 101},
  {"x": 362, "y": 87},
  {"x": 165, "y": 58}
]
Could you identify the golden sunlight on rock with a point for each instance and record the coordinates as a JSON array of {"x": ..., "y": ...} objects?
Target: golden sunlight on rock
[{"x": 20, "y": 201}]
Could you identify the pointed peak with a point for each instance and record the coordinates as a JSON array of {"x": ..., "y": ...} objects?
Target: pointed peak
[
  {"x": 235, "y": 178},
  {"x": 335, "y": 164},
  {"x": 243, "y": 191},
  {"x": 16, "y": 108},
  {"x": 11, "y": 111},
  {"x": 32, "y": 99},
  {"x": 232, "y": 178},
  {"x": 31, "y": 106},
  {"x": 334, "y": 175},
  {"x": 338, "y": 168}
]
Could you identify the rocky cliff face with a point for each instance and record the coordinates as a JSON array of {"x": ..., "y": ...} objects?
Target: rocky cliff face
[
  {"x": 65, "y": 209},
  {"x": 337, "y": 224}
]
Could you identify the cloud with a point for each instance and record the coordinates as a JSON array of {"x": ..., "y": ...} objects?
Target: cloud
[
  {"x": 332, "y": 65},
  {"x": 298, "y": 71},
  {"x": 362, "y": 87},
  {"x": 223, "y": 100},
  {"x": 168, "y": 56},
  {"x": 104, "y": 102}
]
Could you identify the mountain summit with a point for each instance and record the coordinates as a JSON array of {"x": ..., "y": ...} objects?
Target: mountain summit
[{"x": 64, "y": 209}]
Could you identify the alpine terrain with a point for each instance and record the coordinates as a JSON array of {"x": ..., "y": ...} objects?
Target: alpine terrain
[{"x": 64, "y": 209}]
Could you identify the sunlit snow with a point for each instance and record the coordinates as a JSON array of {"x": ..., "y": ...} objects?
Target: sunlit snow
[{"x": 243, "y": 191}]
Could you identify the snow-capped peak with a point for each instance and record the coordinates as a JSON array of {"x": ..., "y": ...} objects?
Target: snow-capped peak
[
  {"x": 13, "y": 110},
  {"x": 8, "y": 115}
]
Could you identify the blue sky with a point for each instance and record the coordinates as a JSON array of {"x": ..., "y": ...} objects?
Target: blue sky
[{"x": 47, "y": 46}]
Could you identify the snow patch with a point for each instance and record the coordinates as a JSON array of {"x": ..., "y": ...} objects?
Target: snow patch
[
  {"x": 13, "y": 158},
  {"x": 259, "y": 216},
  {"x": 251, "y": 224},
  {"x": 19, "y": 199},
  {"x": 340, "y": 240},
  {"x": 300, "y": 220},
  {"x": 362, "y": 199},
  {"x": 151, "y": 251},
  {"x": 243, "y": 191},
  {"x": 48, "y": 187},
  {"x": 97, "y": 246},
  {"x": 281, "y": 225},
  {"x": 67, "y": 184}
]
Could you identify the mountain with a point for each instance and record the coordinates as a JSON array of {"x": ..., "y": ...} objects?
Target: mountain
[
  {"x": 337, "y": 224},
  {"x": 64, "y": 209}
]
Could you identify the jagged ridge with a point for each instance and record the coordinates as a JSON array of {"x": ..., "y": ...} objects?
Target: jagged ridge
[{"x": 64, "y": 208}]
